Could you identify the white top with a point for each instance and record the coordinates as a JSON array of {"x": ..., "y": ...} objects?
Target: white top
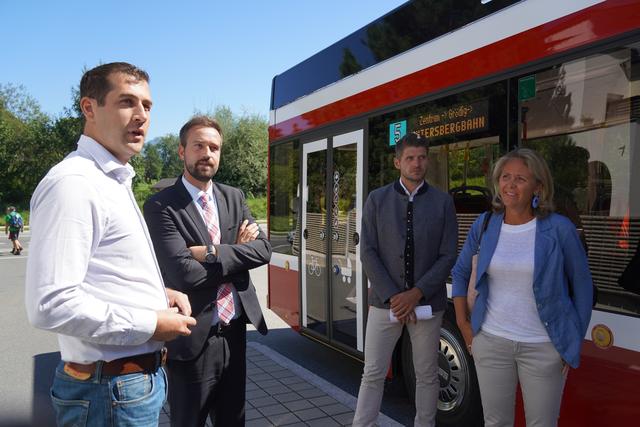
[
  {"x": 511, "y": 305},
  {"x": 92, "y": 275},
  {"x": 196, "y": 193}
]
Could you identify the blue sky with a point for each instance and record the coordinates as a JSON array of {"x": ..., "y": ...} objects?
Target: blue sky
[{"x": 199, "y": 54}]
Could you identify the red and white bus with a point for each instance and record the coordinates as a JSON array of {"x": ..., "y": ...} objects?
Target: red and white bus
[{"x": 477, "y": 78}]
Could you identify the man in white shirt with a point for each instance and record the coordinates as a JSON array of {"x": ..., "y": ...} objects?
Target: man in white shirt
[{"x": 92, "y": 276}]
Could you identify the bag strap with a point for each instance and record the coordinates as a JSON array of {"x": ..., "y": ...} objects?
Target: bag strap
[{"x": 485, "y": 224}]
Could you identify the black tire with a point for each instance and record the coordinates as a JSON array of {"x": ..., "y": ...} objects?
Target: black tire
[{"x": 459, "y": 399}]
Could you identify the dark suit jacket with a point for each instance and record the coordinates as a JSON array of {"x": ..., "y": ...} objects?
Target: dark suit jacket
[{"x": 175, "y": 224}]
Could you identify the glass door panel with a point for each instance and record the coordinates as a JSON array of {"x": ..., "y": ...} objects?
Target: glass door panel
[
  {"x": 314, "y": 237},
  {"x": 332, "y": 294},
  {"x": 346, "y": 210}
]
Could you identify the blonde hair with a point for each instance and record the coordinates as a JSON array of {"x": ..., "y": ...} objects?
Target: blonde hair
[{"x": 540, "y": 170}]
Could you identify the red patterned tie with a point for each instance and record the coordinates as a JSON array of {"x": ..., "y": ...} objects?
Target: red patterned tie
[{"x": 224, "y": 299}]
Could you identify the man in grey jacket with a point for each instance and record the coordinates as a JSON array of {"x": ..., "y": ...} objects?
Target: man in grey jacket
[{"x": 409, "y": 239}]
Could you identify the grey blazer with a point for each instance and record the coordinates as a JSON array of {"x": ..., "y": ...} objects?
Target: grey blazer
[{"x": 435, "y": 233}]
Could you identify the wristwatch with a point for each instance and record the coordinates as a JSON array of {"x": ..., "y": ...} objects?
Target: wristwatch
[{"x": 211, "y": 256}]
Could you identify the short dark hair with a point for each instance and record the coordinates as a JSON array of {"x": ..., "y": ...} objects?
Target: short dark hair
[
  {"x": 410, "y": 140},
  {"x": 95, "y": 82},
  {"x": 197, "y": 121}
]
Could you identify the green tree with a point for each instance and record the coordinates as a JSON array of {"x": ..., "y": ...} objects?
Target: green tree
[
  {"x": 22, "y": 124},
  {"x": 30, "y": 142},
  {"x": 244, "y": 151},
  {"x": 152, "y": 162},
  {"x": 167, "y": 148},
  {"x": 24, "y": 107},
  {"x": 138, "y": 164},
  {"x": 10, "y": 130}
]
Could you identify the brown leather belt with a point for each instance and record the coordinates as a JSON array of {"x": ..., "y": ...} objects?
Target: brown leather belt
[{"x": 149, "y": 362}]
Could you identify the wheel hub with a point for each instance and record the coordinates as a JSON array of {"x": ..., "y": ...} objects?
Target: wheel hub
[{"x": 453, "y": 372}]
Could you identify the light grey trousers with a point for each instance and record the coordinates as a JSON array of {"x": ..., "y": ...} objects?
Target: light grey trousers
[
  {"x": 502, "y": 363},
  {"x": 381, "y": 338}
]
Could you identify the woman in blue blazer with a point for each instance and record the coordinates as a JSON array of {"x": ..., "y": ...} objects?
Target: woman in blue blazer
[{"x": 534, "y": 296}]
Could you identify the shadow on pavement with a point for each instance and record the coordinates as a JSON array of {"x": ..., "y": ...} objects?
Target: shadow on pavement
[{"x": 44, "y": 367}]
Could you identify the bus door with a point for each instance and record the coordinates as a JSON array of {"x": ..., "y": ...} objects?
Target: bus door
[{"x": 332, "y": 295}]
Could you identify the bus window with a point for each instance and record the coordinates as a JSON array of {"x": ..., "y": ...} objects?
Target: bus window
[
  {"x": 284, "y": 198},
  {"x": 472, "y": 119},
  {"x": 583, "y": 118},
  {"x": 470, "y": 164},
  {"x": 466, "y": 134}
]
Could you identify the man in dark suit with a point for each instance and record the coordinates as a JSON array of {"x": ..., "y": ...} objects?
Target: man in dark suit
[{"x": 206, "y": 241}]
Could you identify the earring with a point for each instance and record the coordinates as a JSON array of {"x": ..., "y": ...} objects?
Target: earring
[{"x": 535, "y": 201}]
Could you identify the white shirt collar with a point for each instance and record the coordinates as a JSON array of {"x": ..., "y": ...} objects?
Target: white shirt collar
[
  {"x": 196, "y": 193},
  {"x": 415, "y": 191},
  {"x": 107, "y": 161}
]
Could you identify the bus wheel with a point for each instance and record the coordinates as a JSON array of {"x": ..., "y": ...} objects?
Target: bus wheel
[{"x": 459, "y": 398}]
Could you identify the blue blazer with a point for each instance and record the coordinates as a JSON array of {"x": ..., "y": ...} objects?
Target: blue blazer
[{"x": 560, "y": 262}]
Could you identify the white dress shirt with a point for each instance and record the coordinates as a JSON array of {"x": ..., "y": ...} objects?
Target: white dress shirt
[
  {"x": 196, "y": 193},
  {"x": 92, "y": 275}
]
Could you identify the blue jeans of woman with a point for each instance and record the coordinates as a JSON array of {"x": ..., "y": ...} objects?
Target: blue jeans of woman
[{"x": 123, "y": 400}]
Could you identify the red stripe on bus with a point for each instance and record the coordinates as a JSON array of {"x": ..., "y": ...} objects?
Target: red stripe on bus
[{"x": 587, "y": 26}]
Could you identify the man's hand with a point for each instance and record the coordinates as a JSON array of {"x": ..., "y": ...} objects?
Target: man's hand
[
  {"x": 403, "y": 305},
  {"x": 170, "y": 324},
  {"x": 247, "y": 232},
  {"x": 409, "y": 318},
  {"x": 180, "y": 300}
]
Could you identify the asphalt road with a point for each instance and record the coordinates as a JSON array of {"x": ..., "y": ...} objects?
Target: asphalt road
[{"x": 28, "y": 356}]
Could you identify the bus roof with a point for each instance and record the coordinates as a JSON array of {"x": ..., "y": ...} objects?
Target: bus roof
[{"x": 409, "y": 25}]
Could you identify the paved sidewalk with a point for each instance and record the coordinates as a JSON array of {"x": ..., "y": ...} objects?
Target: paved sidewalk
[{"x": 281, "y": 392}]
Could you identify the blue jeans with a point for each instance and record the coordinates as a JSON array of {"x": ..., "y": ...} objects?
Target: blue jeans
[{"x": 124, "y": 400}]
